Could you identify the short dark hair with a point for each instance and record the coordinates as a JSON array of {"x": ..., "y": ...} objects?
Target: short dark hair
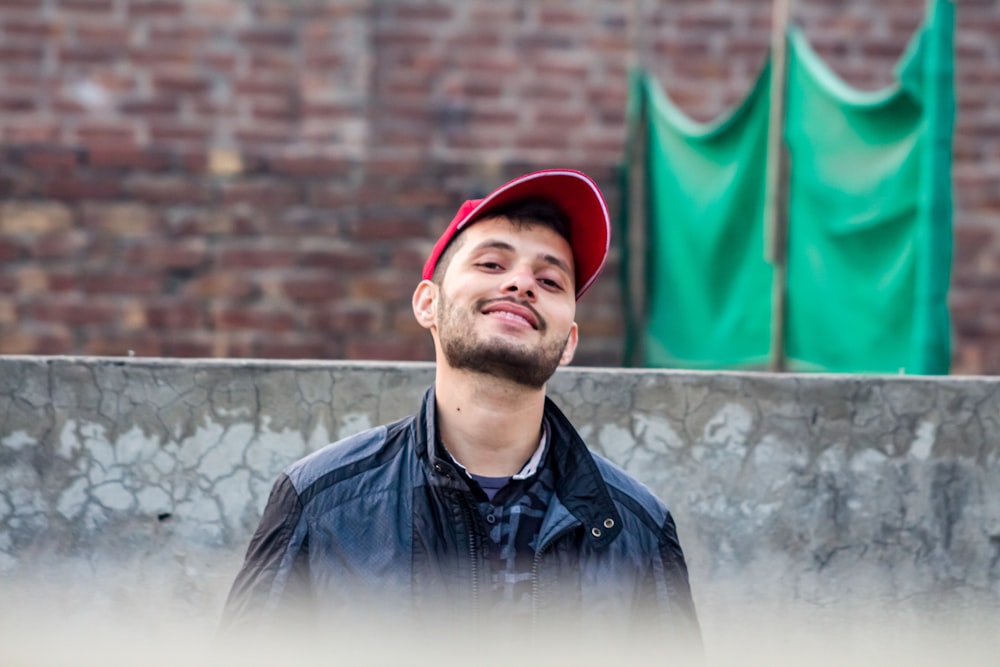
[{"x": 522, "y": 213}]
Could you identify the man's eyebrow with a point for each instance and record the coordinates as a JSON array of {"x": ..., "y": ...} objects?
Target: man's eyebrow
[
  {"x": 558, "y": 263},
  {"x": 493, "y": 244},
  {"x": 496, "y": 244}
]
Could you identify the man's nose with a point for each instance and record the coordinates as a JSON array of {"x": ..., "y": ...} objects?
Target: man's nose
[{"x": 520, "y": 281}]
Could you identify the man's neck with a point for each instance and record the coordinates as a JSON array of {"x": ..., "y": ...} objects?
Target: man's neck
[{"x": 490, "y": 426}]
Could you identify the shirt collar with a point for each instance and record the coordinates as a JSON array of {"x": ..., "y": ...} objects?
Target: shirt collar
[{"x": 528, "y": 469}]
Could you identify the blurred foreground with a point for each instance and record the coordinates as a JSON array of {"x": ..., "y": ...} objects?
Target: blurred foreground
[{"x": 39, "y": 634}]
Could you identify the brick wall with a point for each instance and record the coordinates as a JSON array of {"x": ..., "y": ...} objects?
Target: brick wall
[{"x": 265, "y": 177}]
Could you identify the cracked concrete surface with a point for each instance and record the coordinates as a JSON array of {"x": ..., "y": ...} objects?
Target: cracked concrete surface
[{"x": 126, "y": 483}]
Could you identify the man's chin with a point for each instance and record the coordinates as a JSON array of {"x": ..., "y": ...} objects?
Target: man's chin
[{"x": 515, "y": 363}]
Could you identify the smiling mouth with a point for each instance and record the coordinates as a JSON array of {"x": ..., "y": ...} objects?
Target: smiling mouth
[
  {"x": 514, "y": 312},
  {"x": 513, "y": 317}
]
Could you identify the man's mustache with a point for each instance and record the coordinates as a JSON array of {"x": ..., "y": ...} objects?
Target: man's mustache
[{"x": 482, "y": 303}]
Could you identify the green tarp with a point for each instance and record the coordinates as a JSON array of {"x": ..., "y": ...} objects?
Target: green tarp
[{"x": 869, "y": 220}]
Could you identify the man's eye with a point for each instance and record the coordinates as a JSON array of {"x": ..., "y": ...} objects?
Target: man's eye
[
  {"x": 490, "y": 265},
  {"x": 548, "y": 282}
]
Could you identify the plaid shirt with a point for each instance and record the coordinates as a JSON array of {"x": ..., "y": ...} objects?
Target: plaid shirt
[{"x": 512, "y": 520}]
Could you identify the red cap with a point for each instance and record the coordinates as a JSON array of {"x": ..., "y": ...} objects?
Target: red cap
[{"x": 576, "y": 195}]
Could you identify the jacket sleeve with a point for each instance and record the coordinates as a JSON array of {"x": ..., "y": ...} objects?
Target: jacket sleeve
[
  {"x": 675, "y": 590},
  {"x": 275, "y": 574}
]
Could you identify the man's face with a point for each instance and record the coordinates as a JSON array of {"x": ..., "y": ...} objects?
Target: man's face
[{"x": 506, "y": 302}]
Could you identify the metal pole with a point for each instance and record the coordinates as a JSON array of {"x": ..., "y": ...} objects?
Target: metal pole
[
  {"x": 637, "y": 200},
  {"x": 776, "y": 201}
]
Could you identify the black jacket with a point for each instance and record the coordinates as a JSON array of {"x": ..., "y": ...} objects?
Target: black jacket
[{"x": 381, "y": 516}]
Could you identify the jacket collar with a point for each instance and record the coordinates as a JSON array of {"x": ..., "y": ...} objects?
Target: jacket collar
[{"x": 580, "y": 486}]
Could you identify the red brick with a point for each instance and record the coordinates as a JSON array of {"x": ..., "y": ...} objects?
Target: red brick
[
  {"x": 76, "y": 188},
  {"x": 972, "y": 242},
  {"x": 122, "y": 282},
  {"x": 51, "y": 340},
  {"x": 264, "y": 320},
  {"x": 391, "y": 39},
  {"x": 103, "y": 33},
  {"x": 125, "y": 155},
  {"x": 187, "y": 345},
  {"x": 383, "y": 228},
  {"x": 63, "y": 280},
  {"x": 352, "y": 258},
  {"x": 562, "y": 119},
  {"x": 261, "y": 192},
  {"x": 140, "y": 9},
  {"x": 120, "y": 134},
  {"x": 348, "y": 317},
  {"x": 196, "y": 159},
  {"x": 422, "y": 11},
  {"x": 87, "y": 6},
  {"x": 413, "y": 257},
  {"x": 267, "y": 36},
  {"x": 295, "y": 348},
  {"x": 51, "y": 158},
  {"x": 221, "y": 284},
  {"x": 491, "y": 64},
  {"x": 179, "y": 82},
  {"x": 536, "y": 140},
  {"x": 324, "y": 59},
  {"x": 157, "y": 105},
  {"x": 15, "y": 103},
  {"x": 89, "y": 54},
  {"x": 327, "y": 195},
  {"x": 173, "y": 131},
  {"x": 313, "y": 289},
  {"x": 30, "y": 26},
  {"x": 172, "y": 35},
  {"x": 562, "y": 17},
  {"x": 479, "y": 39},
  {"x": 32, "y": 132},
  {"x": 71, "y": 312},
  {"x": 167, "y": 189},
  {"x": 21, "y": 54},
  {"x": 177, "y": 314},
  {"x": 257, "y": 257},
  {"x": 188, "y": 254},
  {"x": 495, "y": 13},
  {"x": 239, "y": 343},
  {"x": 261, "y": 85},
  {"x": 11, "y": 250},
  {"x": 378, "y": 167},
  {"x": 140, "y": 344},
  {"x": 389, "y": 348},
  {"x": 308, "y": 165},
  {"x": 267, "y": 134},
  {"x": 321, "y": 110},
  {"x": 61, "y": 245},
  {"x": 403, "y": 322},
  {"x": 383, "y": 286}
]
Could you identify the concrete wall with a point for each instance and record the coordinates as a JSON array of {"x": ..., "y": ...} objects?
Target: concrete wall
[{"x": 130, "y": 485}]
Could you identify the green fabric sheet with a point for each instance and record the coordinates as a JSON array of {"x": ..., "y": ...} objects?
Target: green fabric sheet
[{"x": 869, "y": 220}]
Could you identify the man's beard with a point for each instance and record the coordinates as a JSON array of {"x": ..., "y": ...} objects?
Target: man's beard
[{"x": 521, "y": 364}]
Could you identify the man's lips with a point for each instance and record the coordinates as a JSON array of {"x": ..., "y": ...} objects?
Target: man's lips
[{"x": 524, "y": 312}]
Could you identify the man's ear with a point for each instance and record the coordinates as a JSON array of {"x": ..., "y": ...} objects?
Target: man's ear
[
  {"x": 425, "y": 298},
  {"x": 571, "y": 342}
]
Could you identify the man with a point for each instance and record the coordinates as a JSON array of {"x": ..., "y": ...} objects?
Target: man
[{"x": 485, "y": 506}]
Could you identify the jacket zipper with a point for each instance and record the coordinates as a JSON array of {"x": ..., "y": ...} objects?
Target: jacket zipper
[
  {"x": 536, "y": 584},
  {"x": 474, "y": 556}
]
